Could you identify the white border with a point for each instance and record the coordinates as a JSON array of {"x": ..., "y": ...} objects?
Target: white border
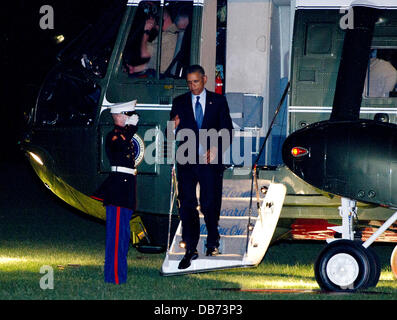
[
  {"x": 322, "y": 109},
  {"x": 321, "y": 4}
]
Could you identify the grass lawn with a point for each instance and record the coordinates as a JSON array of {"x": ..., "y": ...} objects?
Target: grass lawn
[{"x": 38, "y": 230}]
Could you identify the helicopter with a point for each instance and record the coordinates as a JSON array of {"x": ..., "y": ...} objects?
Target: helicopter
[
  {"x": 349, "y": 157},
  {"x": 252, "y": 51}
]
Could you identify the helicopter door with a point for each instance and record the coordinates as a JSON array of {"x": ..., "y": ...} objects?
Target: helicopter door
[{"x": 150, "y": 67}]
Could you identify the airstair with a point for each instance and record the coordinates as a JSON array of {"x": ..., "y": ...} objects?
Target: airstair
[
  {"x": 245, "y": 234},
  {"x": 246, "y": 226}
]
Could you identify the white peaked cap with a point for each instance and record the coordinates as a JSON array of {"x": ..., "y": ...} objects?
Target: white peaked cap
[{"x": 123, "y": 107}]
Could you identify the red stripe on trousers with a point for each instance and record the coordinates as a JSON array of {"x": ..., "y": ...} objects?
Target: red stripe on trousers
[{"x": 116, "y": 247}]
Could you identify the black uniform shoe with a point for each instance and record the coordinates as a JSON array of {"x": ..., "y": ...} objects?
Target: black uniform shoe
[
  {"x": 212, "y": 252},
  {"x": 187, "y": 258}
]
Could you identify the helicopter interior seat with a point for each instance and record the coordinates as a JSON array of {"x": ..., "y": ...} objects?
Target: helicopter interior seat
[
  {"x": 381, "y": 79},
  {"x": 181, "y": 59}
]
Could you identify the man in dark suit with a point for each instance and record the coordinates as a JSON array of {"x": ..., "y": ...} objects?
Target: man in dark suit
[{"x": 197, "y": 111}]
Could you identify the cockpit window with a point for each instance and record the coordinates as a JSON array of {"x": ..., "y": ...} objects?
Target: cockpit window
[
  {"x": 68, "y": 97},
  {"x": 381, "y": 80},
  {"x": 144, "y": 56},
  {"x": 70, "y": 93},
  {"x": 93, "y": 47}
]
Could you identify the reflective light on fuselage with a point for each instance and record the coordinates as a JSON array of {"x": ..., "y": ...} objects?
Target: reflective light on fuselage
[
  {"x": 59, "y": 38},
  {"x": 381, "y": 20},
  {"x": 36, "y": 158}
]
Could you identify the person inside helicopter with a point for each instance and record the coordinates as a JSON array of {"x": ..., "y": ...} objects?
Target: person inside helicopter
[
  {"x": 141, "y": 49},
  {"x": 382, "y": 74}
]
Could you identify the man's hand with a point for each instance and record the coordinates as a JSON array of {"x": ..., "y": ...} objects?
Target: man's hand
[
  {"x": 176, "y": 121},
  {"x": 149, "y": 24},
  {"x": 211, "y": 154},
  {"x": 130, "y": 69},
  {"x": 132, "y": 120}
]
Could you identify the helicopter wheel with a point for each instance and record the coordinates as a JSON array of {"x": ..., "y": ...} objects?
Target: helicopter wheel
[
  {"x": 393, "y": 262},
  {"x": 343, "y": 266}
]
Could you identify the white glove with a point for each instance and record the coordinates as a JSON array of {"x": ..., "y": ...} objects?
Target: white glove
[{"x": 132, "y": 120}]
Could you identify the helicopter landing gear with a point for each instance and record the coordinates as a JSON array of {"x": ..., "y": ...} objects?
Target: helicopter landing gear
[
  {"x": 343, "y": 266},
  {"x": 348, "y": 212},
  {"x": 346, "y": 264}
]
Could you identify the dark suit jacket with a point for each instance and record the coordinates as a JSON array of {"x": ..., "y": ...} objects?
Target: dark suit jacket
[
  {"x": 119, "y": 189},
  {"x": 216, "y": 116}
]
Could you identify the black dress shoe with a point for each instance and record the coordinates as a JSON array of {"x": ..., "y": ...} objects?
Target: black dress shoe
[
  {"x": 187, "y": 259},
  {"x": 212, "y": 252}
]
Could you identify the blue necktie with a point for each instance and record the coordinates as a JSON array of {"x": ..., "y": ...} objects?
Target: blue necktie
[{"x": 199, "y": 113}]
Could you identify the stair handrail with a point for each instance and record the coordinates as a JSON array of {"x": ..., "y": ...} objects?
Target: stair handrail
[{"x": 255, "y": 165}]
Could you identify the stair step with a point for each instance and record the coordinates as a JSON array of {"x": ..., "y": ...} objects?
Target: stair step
[
  {"x": 227, "y": 245},
  {"x": 236, "y": 197},
  {"x": 243, "y": 218},
  {"x": 237, "y": 208},
  {"x": 229, "y": 256},
  {"x": 232, "y": 231},
  {"x": 243, "y": 236},
  {"x": 229, "y": 226}
]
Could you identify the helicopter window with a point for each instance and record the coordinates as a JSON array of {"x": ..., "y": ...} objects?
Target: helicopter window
[
  {"x": 382, "y": 74},
  {"x": 93, "y": 47},
  {"x": 319, "y": 38},
  {"x": 67, "y": 98},
  {"x": 70, "y": 93},
  {"x": 140, "y": 58}
]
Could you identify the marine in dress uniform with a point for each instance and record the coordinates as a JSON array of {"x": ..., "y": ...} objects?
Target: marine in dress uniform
[{"x": 118, "y": 191}]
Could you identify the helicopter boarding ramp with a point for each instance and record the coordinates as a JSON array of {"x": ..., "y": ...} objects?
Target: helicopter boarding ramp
[{"x": 240, "y": 245}]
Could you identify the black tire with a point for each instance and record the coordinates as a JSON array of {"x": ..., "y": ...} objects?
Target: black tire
[
  {"x": 375, "y": 268},
  {"x": 337, "y": 256}
]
